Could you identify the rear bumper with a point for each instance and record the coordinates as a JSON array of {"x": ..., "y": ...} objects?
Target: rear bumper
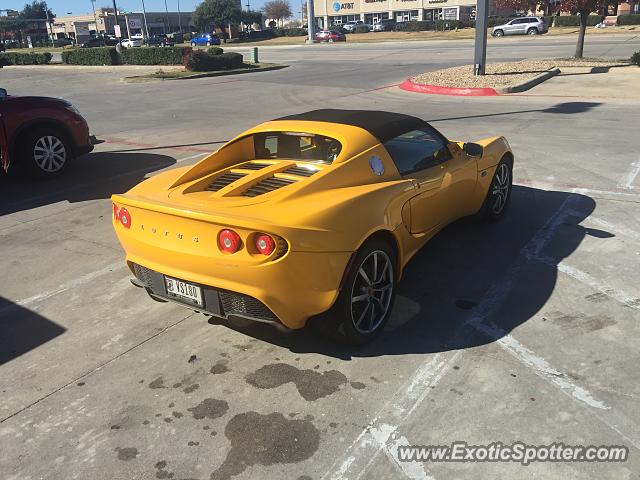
[{"x": 291, "y": 289}]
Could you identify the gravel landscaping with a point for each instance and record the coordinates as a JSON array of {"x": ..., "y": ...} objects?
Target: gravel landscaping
[{"x": 500, "y": 75}]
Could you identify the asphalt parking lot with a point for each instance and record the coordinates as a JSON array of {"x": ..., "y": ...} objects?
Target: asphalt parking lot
[{"x": 526, "y": 330}]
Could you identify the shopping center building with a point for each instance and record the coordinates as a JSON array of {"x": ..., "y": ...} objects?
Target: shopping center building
[{"x": 335, "y": 12}]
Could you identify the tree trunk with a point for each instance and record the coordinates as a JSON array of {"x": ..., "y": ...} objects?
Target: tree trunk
[{"x": 584, "y": 18}]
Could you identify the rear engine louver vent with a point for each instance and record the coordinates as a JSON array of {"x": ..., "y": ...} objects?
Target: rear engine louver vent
[
  {"x": 253, "y": 166},
  {"x": 267, "y": 185},
  {"x": 224, "y": 180},
  {"x": 300, "y": 171}
]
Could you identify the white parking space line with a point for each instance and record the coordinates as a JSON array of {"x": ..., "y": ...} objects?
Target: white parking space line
[
  {"x": 381, "y": 433},
  {"x": 616, "y": 229},
  {"x": 191, "y": 157},
  {"x": 594, "y": 283},
  {"x": 63, "y": 288},
  {"x": 630, "y": 176}
]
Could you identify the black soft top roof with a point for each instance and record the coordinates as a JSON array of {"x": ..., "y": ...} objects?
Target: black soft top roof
[{"x": 382, "y": 125}]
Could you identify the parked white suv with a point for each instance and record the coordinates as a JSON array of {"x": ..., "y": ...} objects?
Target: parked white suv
[
  {"x": 521, "y": 26},
  {"x": 351, "y": 25}
]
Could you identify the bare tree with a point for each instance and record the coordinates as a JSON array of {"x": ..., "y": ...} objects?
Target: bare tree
[{"x": 277, "y": 9}]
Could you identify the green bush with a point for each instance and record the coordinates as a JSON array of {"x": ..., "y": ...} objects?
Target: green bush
[
  {"x": 215, "y": 51},
  {"x": 361, "y": 29},
  {"x": 295, "y": 32},
  {"x": 574, "y": 20},
  {"x": 424, "y": 25},
  {"x": 152, "y": 56},
  {"x": 232, "y": 59},
  {"x": 17, "y": 58},
  {"x": 204, "y": 62},
  {"x": 635, "y": 58},
  {"x": 91, "y": 56},
  {"x": 633, "y": 19}
]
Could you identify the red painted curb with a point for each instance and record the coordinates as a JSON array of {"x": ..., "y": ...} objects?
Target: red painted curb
[{"x": 436, "y": 90}]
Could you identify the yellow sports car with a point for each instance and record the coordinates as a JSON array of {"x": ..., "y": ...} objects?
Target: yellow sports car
[{"x": 310, "y": 215}]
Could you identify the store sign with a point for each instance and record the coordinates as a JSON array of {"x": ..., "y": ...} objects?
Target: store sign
[
  {"x": 135, "y": 23},
  {"x": 337, "y": 6},
  {"x": 438, "y": 1},
  {"x": 374, "y": 1},
  {"x": 450, "y": 13}
]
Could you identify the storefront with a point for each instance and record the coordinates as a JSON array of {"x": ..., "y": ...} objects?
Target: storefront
[{"x": 336, "y": 12}]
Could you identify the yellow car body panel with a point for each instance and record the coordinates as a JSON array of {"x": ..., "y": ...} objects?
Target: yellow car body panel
[{"x": 319, "y": 221}]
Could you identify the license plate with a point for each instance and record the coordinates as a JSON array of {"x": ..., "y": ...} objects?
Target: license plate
[{"x": 184, "y": 290}]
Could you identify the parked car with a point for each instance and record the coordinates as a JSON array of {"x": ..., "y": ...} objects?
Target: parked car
[
  {"x": 521, "y": 26},
  {"x": 205, "y": 39},
  {"x": 137, "y": 36},
  {"x": 130, "y": 42},
  {"x": 159, "y": 41},
  {"x": 41, "y": 135},
  {"x": 350, "y": 26},
  {"x": 107, "y": 41},
  {"x": 385, "y": 25},
  {"x": 357, "y": 193},
  {"x": 63, "y": 42},
  {"x": 330, "y": 36}
]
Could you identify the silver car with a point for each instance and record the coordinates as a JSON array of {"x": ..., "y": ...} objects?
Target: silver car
[
  {"x": 351, "y": 25},
  {"x": 521, "y": 26}
]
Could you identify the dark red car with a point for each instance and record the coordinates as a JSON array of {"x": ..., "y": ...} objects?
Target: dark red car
[
  {"x": 330, "y": 36},
  {"x": 40, "y": 135}
]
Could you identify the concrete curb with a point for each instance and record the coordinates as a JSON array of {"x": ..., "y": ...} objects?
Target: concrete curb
[
  {"x": 524, "y": 86},
  {"x": 411, "y": 86},
  {"x": 222, "y": 73}
]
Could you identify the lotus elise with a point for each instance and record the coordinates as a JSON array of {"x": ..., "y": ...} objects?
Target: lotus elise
[{"x": 310, "y": 216}]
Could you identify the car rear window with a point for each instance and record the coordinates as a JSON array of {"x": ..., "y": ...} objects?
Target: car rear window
[{"x": 296, "y": 146}]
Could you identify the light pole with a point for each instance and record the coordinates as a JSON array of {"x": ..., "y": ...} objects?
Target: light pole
[
  {"x": 179, "y": 18},
  {"x": 144, "y": 17},
  {"x": 95, "y": 17},
  {"x": 480, "y": 53},
  {"x": 311, "y": 22},
  {"x": 166, "y": 9},
  {"x": 46, "y": 9}
]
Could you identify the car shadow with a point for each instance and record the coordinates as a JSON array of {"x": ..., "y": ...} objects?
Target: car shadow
[
  {"x": 93, "y": 176},
  {"x": 22, "y": 330},
  {"x": 448, "y": 284}
]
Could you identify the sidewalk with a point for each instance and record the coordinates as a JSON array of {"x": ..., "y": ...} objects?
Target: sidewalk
[{"x": 613, "y": 83}]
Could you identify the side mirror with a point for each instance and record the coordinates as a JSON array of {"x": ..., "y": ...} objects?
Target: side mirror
[
  {"x": 3, "y": 93},
  {"x": 473, "y": 149}
]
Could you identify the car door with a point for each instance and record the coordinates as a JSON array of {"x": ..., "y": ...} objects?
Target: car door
[
  {"x": 424, "y": 156},
  {"x": 4, "y": 146}
]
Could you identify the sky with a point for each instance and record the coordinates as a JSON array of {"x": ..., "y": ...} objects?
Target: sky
[{"x": 62, "y": 7}]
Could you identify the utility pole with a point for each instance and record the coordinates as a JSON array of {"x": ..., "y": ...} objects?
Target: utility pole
[
  {"x": 311, "y": 22},
  {"x": 144, "y": 17},
  {"x": 480, "y": 53}
]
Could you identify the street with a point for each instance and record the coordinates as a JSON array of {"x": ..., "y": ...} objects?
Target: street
[{"x": 524, "y": 330}]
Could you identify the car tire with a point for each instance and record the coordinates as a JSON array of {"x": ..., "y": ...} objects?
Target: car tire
[
  {"x": 330, "y": 40},
  {"x": 498, "y": 33},
  {"x": 193, "y": 44},
  {"x": 499, "y": 194},
  {"x": 532, "y": 31},
  {"x": 208, "y": 44},
  {"x": 364, "y": 304},
  {"x": 45, "y": 153}
]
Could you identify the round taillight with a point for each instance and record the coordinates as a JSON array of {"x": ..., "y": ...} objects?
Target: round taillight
[
  {"x": 265, "y": 244},
  {"x": 229, "y": 241},
  {"x": 125, "y": 218}
]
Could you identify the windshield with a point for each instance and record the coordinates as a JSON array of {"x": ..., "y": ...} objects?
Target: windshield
[{"x": 296, "y": 146}]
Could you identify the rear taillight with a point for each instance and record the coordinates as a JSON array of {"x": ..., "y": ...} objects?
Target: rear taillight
[
  {"x": 229, "y": 241},
  {"x": 265, "y": 244},
  {"x": 122, "y": 215}
]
